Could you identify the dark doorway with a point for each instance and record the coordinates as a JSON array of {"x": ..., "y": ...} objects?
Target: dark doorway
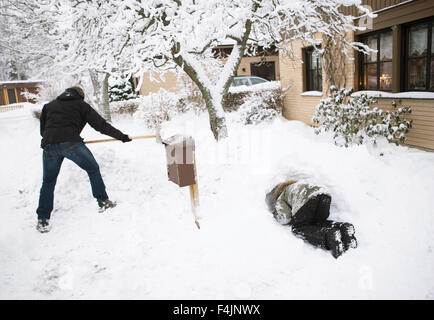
[
  {"x": 265, "y": 69},
  {"x": 11, "y": 96}
]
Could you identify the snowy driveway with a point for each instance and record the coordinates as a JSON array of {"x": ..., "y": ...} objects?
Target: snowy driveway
[{"x": 148, "y": 247}]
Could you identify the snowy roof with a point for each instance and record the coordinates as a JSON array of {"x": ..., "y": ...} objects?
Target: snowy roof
[
  {"x": 227, "y": 42},
  {"x": 21, "y": 81}
]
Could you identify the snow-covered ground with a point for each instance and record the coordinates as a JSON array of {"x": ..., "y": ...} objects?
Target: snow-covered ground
[{"x": 148, "y": 247}]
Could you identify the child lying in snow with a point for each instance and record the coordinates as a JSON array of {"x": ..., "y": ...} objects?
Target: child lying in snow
[{"x": 306, "y": 208}]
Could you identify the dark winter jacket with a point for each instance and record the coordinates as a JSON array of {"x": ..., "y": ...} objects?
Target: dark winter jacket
[
  {"x": 292, "y": 198},
  {"x": 63, "y": 119}
]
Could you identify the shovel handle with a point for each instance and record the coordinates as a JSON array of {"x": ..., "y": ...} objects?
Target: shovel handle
[{"x": 109, "y": 140}]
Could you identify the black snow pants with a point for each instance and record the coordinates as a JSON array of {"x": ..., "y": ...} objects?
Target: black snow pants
[{"x": 310, "y": 221}]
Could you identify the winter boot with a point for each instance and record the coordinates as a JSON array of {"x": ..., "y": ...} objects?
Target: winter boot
[
  {"x": 348, "y": 237},
  {"x": 104, "y": 205},
  {"x": 334, "y": 242},
  {"x": 43, "y": 225},
  {"x": 347, "y": 232},
  {"x": 328, "y": 238}
]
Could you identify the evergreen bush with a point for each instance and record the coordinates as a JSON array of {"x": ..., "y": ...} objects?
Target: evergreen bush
[{"x": 354, "y": 119}]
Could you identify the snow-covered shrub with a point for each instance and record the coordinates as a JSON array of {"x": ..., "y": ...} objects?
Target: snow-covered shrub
[
  {"x": 191, "y": 98},
  {"x": 353, "y": 119},
  {"x": 260, "y": 107},
  {"x": 256, "y": 103},
  {"x": 126, "y": 106},
  {"x": 253, "y": 104},
  {"x": 120, "y": 89},
  {"x": 158, "y": 107}
]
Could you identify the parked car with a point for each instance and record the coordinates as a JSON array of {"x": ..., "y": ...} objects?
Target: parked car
[{"x": 247, "y": 81}]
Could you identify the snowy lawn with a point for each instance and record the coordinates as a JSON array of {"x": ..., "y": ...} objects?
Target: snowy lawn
[{"x": 148, "y": 247}]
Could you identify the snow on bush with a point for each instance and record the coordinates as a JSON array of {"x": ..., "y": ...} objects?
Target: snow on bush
[
  {"x": 159, "y": 107},
  {"x": 261, "y": 106},
  {"x": 353, "y": 119},
  {"x": 121, "y": 89},
  {"x": 252, "y": 104},
  {"x": 265, "y": 86},
  {"x": 255, "y": 104}
]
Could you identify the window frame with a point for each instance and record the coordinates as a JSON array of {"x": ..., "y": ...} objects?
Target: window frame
[
  {"x": 6, "y": 95},
  {"x": 268, "y": 63},
  {"x": 318, "y": 70},
  {"x": 362, "y": 63},
  {"x": 430, "y": 54}
]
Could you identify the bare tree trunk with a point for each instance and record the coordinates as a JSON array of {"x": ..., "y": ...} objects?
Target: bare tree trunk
[
  {"x": 100, "y": 90},
  {"x": 96, "y": 89},
  {"x": 214, "y": 100},
  {"x": 217, "y": 121},
  {"x": 105, "y": 99}
]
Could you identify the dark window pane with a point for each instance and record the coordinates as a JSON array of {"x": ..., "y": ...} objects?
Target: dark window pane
[
  {"x": 418, "y": 41},
  {"x": 265, "y": 70},
  {"x": 313, "y": 81},
  {"x": 319, "y": 77},
  {"x": 11, "y": 96},
  {"x": 432, "y": 72},
  {"x": 432, "y": 39},
  {"x": 386, "y": 76},
  {"x": 371, "y": 42},
  {"x": 371, "y": 76},
  {"x": 313, "y": 60},
  {"x": 310, "y": 79},
  {"x": 314, "y": 70},
  {"x": 417, "y": 74},
  {"x": 386, "y": 46}
]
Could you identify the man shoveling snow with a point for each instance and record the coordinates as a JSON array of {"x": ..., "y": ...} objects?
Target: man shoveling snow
[{"x": 62, "y": 121}]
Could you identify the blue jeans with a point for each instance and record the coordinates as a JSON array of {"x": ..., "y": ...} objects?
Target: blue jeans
[{"x": 52, "y": 159}]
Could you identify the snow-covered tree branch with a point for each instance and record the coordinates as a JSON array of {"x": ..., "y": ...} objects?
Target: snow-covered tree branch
[{"x": 136, "y": 36}]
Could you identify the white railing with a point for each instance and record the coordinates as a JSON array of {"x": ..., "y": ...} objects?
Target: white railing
[{"x": 11, "y": 107}]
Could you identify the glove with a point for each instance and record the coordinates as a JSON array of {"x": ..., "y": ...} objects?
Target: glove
[{"x": 126, "y": 138}]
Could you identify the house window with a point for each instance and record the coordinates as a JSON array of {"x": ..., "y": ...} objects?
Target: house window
[
  {"x": 313, "y": 70},
  {"x": 376, "y": 67},
  {"x": 419, "y": 75},
  {"x": 11, "y": 96},
  {"x": 265, "y": 69}
]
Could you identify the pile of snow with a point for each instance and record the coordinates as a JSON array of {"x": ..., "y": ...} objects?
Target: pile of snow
[{"x": 149, "y": 247}]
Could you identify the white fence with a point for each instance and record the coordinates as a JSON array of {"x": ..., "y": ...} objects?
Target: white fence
[{"x": 11, "y": 107}]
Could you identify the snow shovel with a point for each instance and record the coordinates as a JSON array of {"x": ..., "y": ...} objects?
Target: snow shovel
[{"x": 109, "y": 140}]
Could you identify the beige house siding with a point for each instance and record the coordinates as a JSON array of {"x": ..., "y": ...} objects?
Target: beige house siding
[
  {"x": 176, "y": 81},
  {"x": 170, "y": 81},
  {"x": 292, "y": 76},
  {"x": 422, "y": 133},
  {"x": 302, "y": 108}
]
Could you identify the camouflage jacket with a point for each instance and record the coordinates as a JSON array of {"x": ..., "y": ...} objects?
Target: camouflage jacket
[{"x": 292, "y": 198}]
